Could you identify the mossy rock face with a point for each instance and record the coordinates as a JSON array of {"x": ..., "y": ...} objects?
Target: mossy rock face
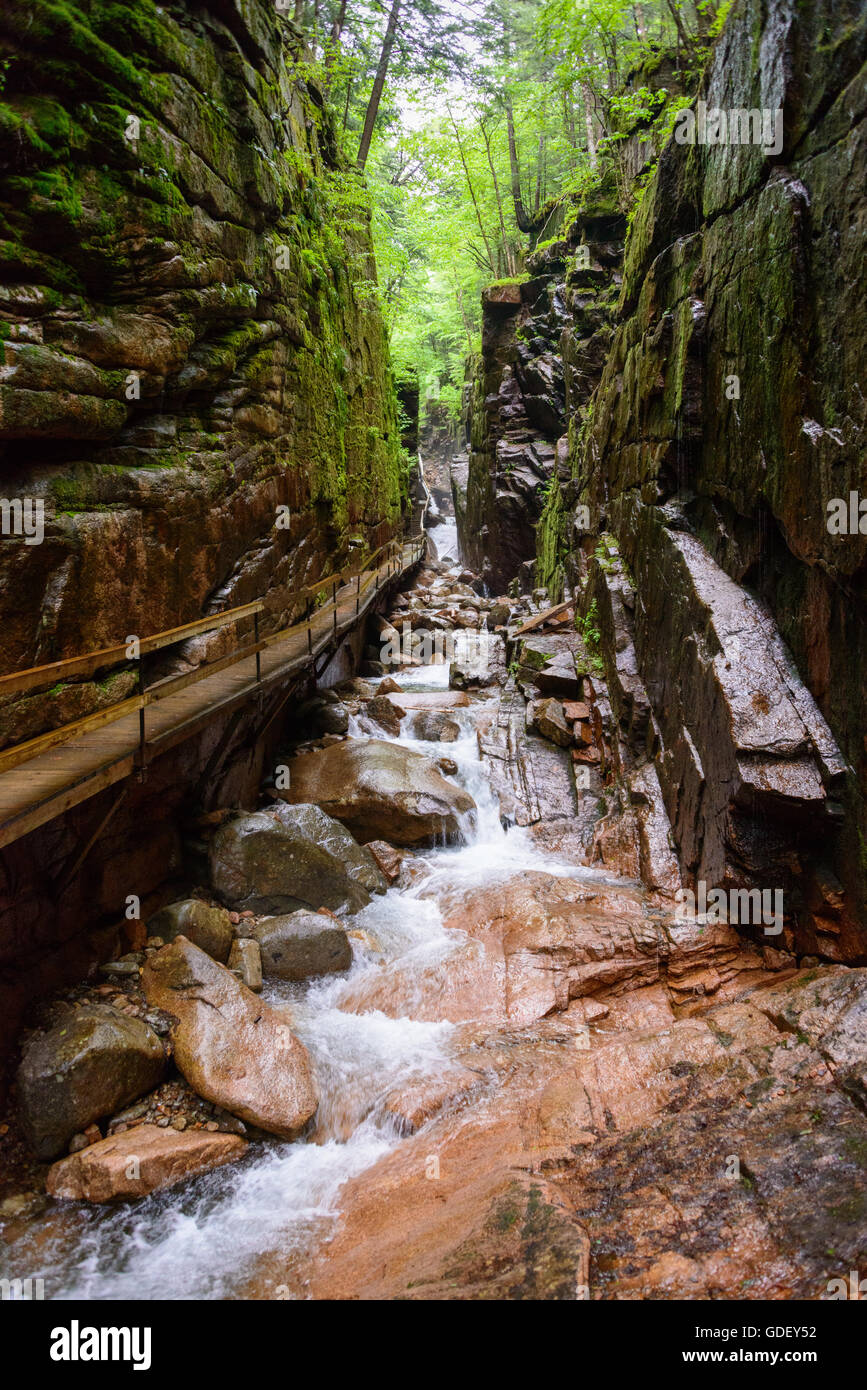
[
  {"x": 188, "y": 321},
  {"x": 727, "y": 408}
]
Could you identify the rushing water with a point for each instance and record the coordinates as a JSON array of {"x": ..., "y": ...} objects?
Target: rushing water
[
  {"x": 204, "y": 1238},
  {"x": 445, "y": 538}
]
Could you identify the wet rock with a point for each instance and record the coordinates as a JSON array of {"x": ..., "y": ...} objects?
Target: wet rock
[
  {"x": 302, "y": 944},
  {"x": 158, "y": 1158},
  {"x": 362, "y": 689},
  {"x": 547, "y": 717},
  {"x": 245, "y": 958},
  {"x": 265, "y": 863},
  {"x": 83, "y": 1069},
  {"x": 554, "y": 663},
  {"x": 330, "y": 717},
  {"x": 478, "y": 661},
  {"x": 209, "y": 928},
  {"x": 432, "y": 699},
  {"x": 829, "y": 1008},
  {"x": 231, "y": 1047},
  {"x": 386, "y": 713},
  {"x": 381, "y": 791},
  {"x": 357, "y": 859},
  {"x": 576, "y": 711},
  {"x": 435, "y": 726},
  {"x": 409, "y": 1107},
  {"x": 387, "y": 857}
]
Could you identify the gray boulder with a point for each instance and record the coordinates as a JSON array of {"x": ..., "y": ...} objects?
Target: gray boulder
[
  {"x": 209, "y": 928},
  {"x": 548, "y": 718},
  {"x": 302, "y": 944},
  {"x": 381, "y": 791},
  {"x": 327, "y": 832},
  {"x": 90, "y": 1065},
  {"x": 274, "y": 862},
  {"x": 435, "y": 726}
]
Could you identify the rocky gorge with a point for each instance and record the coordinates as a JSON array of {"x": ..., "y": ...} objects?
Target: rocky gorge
[
  {"x": 660, "y": 427},
  {"x": 516, "y": 949},
  {"x": 471, "y": 1060}
]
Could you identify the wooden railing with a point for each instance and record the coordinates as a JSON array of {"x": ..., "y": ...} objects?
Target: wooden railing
[{"x": 389, "y": 556}]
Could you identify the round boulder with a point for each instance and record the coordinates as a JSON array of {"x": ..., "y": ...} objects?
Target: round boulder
[
  {"x": 381, "y": 791},
  {"x": 90, "y": 1065},
  {"x": 209, "y": 928},
  {"x": 302, "y": 944}
]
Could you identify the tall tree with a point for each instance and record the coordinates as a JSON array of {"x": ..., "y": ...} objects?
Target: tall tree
[{"x": 378, "y": 84}]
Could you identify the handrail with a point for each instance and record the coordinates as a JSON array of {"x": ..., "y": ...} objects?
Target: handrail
[
  {"x": 19, "y": 753},
  {"x": 18, "y": 682},
  {"x": 89, "y": 662}
]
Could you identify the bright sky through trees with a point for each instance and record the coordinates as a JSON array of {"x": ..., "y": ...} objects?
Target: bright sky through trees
[{"x": 469, "y": 119}]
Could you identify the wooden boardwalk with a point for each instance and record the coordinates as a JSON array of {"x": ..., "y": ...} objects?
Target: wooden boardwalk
[{"x": 43, "y": 778}]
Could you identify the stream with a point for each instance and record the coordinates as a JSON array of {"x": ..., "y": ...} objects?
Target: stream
[{"x": 202, "y": 1240}]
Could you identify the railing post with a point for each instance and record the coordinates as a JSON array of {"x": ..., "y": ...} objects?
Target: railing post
[
  {"x": 309, "y": 615},
  {"x": 357, "y": 592},
  {"x": 334, "y": 601},
  {"x": 258, "y": 654},
  {"x": 142, "y": 766}
]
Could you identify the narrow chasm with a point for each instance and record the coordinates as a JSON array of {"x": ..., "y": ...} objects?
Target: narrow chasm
[{"x": 433, "y": 845}]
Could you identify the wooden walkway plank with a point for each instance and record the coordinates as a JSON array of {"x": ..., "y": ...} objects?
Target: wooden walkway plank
[{"x": 44, "y": 777}]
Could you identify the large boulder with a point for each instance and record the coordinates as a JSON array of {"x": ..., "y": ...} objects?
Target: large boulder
[
  {"x": 330, "y": 717},
  {"x": 141, "y": 1160},
  {"x": 386, "y": 713},
  {"x": 435, "y": 726},
  {"x": 357, "y": 860},
  {"x": 274, "y": 861},
  {"x": 381, "y": 791},
  {"x": 209, "y": 928},
  {"x": 553, "y": 663},
  {"x": 229, "y": 1045},
  {"x": 302, "y": 944},
  {"x": 478, "y": 660},
  {"x": 89, "y": 1065}
]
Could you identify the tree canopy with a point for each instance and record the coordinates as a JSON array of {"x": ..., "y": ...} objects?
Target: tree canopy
[{"x": 468, "y": 119}]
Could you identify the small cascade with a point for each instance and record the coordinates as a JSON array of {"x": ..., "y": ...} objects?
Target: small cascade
[{"x": 200, "y": 1241}]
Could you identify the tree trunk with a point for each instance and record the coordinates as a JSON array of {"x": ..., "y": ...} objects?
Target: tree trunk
[
  {"x": 591, "y": 133},
  {"x": 540, "y": 165},
  {"x": 334, "y": 37},
  {"x": 378, "y": 84},
  {"x": 524, "y": 222},
  {"x": 682, "y": 35},
  {"x": 491, "y": 260},
  {"x": 504, "y": 237}
]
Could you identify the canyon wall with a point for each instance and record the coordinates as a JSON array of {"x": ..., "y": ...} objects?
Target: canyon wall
[
  {"x": 728, "y": 413},
  {"x": 191, "y": 344}
]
